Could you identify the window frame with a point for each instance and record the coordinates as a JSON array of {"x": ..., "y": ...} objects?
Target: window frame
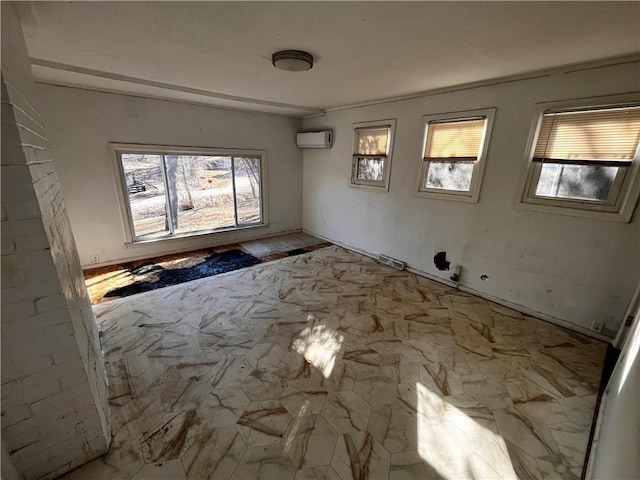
[
  {"x": 374, "y": 185},
  {"x": 626, "y": 186},
  {"x": 117, "y": 149},
  {"x": 473, "y": 194}
]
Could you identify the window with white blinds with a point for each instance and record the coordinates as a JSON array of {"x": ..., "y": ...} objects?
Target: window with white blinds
[
  {"x": 607, "y": 136},
  {"x": 583, "y": 158},
  {"x": 372, "y": 154},
  {"x": 454, "y": 141},
  {"x": 372, "y": 141},
  {"x": 454, "y": 153}
]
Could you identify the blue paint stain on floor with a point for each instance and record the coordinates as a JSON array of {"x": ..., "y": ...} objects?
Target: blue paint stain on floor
[{"x": 159, "y": 277}]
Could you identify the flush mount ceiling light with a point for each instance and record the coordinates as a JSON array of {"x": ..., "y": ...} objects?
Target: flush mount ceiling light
[{"x": 292, "y": 60}]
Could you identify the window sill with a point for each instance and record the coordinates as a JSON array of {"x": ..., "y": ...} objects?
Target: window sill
[
  {"x": 373, "y": 188},
  {"x": 447, "y": 196},
  {"x": 185, "y": 236},
  {"x": 575, "y": 212}
]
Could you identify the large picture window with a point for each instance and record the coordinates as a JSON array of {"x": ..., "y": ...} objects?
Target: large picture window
[
  {"x": 585, "y": 159},
  {"x": 182, "y": 192}
]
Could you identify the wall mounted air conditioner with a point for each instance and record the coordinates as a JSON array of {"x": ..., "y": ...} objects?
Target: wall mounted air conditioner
[{"x": 314, "y": 139}]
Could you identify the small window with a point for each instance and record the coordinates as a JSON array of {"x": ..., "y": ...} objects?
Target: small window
[
  {"x": 372, "y": 154},
  {"x": 454, "y": 154},
  {"x": 584, "y": 159},
  {"x": 175, "y": 192}
]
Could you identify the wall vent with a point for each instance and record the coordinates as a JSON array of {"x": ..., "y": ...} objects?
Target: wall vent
[{"x": 392, "y": 262}]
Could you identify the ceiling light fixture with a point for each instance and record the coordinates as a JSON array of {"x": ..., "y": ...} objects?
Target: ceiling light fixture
[{"x": 292, "y": 60}]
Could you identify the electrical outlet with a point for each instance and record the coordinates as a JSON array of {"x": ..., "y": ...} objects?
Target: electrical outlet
[
  {"x": 95, "y": 258},
  {"x": 597, "y": 326}
]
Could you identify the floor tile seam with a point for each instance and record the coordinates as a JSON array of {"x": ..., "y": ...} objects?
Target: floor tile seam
[
  {"x": 564, "y": 409},
  {"x": 330, "y": 425},
  {"x": 243, "y": 454},
  {"x": 541, "y": 419},
  {"x": 138, "y": 470},
  {"x": 333, "y": 454}
]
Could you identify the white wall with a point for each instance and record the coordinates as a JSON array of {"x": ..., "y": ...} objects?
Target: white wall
[
  {"x": 615, "y": 452},
  {"x": 83, "y": 122},
  {"x": 574, "y": 269}
]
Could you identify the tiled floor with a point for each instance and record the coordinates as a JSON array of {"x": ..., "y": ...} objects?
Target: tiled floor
[{"x": 329, "y": 365}]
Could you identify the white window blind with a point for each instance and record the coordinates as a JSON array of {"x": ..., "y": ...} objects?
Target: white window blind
[
  {"x": 602, "y": 137},
  {"x": 372, "y": 141},
  {"x": 454, "y": 140}
]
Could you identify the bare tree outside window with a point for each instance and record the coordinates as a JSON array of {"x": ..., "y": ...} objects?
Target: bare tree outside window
[
  {"x": 449, "y": 175},
  {"x": 181, "y": 194},
  {"x": 576, "y": 181},
  {"x": 370, "y": 168}
]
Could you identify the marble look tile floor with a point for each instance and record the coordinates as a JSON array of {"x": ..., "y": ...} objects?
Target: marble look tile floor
[{"x": 330, "y": 366}]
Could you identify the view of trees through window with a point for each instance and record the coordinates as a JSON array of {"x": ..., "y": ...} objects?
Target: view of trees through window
[
  {"x": 583, "y": 182},
  {"x": 450, "y": 175},
  {"x": 371, "y": 169},
  {"x": 181, "y": 194}
]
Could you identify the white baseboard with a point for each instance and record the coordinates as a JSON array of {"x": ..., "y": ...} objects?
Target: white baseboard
[
  {"x": 539, "y": 315},
  {"x": 500, "y": 301}
]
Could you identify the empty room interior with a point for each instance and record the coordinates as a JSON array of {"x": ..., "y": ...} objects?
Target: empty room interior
[{"x": 320, "y": 240}]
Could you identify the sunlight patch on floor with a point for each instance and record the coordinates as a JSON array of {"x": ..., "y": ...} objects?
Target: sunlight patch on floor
[
  {"x": 291, "y": 438},
  {"x": 319, "y": 345},
  {"x": 456, "y": 445}
]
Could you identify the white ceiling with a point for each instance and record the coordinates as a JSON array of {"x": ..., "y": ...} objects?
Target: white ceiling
[{"x": 220, "y": 52}]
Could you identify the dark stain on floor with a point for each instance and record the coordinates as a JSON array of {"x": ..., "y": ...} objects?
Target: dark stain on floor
[
  {"x": 159, "y": 276},
  {"x": 122, "y": 280}
]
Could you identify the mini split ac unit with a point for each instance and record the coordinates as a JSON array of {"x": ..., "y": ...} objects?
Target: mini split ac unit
[{"x": 314, "y": 139}]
